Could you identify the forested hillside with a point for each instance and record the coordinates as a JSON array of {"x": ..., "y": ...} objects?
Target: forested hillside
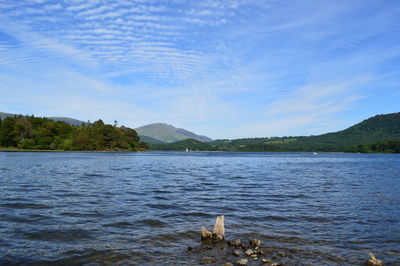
[
  {"x": 376, "y": 134},
  {"x": 29, "y": 132}
]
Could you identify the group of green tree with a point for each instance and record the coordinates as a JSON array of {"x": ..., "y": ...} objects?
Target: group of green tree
[
  {"x": 380, "y": 133},
  {"x": 390, "y": 146},
  {"x": 287, "y": 144},
  {"x": 30, "y": 132}
]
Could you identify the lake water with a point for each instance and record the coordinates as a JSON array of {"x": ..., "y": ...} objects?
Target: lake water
[{"x": 147, "y": 208}]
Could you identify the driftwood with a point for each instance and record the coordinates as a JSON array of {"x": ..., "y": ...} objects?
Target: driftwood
[
  {"x": 373, "y": 261},
  {"x": 218, "y": 232}
]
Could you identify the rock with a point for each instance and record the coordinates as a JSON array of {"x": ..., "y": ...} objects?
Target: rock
[
  {"x": 372, "y": 261},
  {"x": 244, "y": 245},
  {"x": 255, "y": 242},
  {"x": 241, "y": 262},
  {"x": 281, "y": 254},
  {"x": 249, "y": 252},
  {"x": 190, "y": 248},
  {"x": 265, "y": 261},
  {"x": 260, "y": 251},
  {"x": 208, "y": 260},
  {"x": 235, "y": 242},
  {"x": 237, "y": 253},
  {"x": 227, "y": 264}
]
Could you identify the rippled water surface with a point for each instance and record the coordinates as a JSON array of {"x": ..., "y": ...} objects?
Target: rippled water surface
[{"x": 147, "y": 208}]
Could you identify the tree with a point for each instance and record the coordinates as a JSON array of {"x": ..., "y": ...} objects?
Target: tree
[
  {"x": 8, "y": 134},
  {"x": 23, "y": 128},
  {"x": 29, "y": 132}
]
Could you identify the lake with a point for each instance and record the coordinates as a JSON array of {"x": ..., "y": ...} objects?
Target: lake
[{"x": 147, "y": 208}]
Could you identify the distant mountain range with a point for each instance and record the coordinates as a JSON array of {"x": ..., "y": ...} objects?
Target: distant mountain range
[
  {"x": 71, "y": 121},
  {"x": 159, "y": 132},
  {"x": 380, "y": 128},
  {"x": 166, "y": 137}
]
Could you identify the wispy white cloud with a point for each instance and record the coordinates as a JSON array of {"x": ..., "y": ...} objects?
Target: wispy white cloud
[
  {"x": 310, "y": 109},
  {"x": 277, "y": 67}
]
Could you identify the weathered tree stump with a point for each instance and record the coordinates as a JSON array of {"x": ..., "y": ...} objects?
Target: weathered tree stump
[
  {"x": 218, "y": 232},
  {"x": 373, "y": 261}
]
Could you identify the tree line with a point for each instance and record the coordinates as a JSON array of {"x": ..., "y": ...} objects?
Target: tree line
[
  {"x": 30, "y": 132},
  {"x": 390, "y": 146},
  {"x": 380, "y": 133},
  {"x": 284, "y": 145}
]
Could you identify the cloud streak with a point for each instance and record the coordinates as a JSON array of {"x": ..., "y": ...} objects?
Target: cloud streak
[{"x": 246, "y": 67}]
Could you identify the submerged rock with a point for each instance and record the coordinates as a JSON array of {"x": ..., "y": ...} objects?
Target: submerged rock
[
  {"x": 254, "y": 256},
  {"x": 373, "y": 261},
  {"x": 260, "y": 251},
  {"x": 242, "y": 262},
  {"x": 227, "y": 264},
  {"x": 208, "y": 260},
  {"x": 237, "y": 253},
  {"x": 265, "y": 260},
  {"x": 249, "y": 252},
  {"x": 244, "y": 245},
  {"x": 281, "y": 254},
  {"x": 235, "y": 242}
]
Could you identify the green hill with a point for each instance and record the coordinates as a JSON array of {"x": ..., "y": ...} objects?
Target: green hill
[
  {"x": 147, "y": 139},
  {"x": 187, "y": 144},
  {"x": 167, "y": 133},
  {"x": 377, "y": 131},
  {"x": 36, "y": 133}
]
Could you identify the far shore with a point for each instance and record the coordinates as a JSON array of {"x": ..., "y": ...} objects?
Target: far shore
[
  {"x": 122, "y": 151},
  {"x": 36, "y": 150}
]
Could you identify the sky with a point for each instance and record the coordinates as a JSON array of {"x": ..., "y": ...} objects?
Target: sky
[{"x": 220, "y": 68}]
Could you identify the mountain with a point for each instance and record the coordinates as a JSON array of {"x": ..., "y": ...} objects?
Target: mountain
[
  {"x": 4, "y": 115},
  {"x": 71, "y": 121},
  {"x": 380, "y": 128},
  {"x": 167, "y": 133},
  {"x": 151, "y": 140},
  {"x": 374, "y": 129}
]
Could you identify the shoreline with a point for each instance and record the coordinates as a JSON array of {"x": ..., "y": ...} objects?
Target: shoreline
[
  {"x": 122, "y": 151},
  {"x": 60, "y": 151}
]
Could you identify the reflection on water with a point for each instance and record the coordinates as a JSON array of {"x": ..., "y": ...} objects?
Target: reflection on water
[{"x": 147, "y": 208}]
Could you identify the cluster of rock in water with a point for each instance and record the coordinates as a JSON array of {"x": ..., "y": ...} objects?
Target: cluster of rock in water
[
  {"x": 246, "y": 252},
  {"x": 249, "y": 252},
  {"x": 243, "y": 251},
  {"x": 252, "y": 253}
]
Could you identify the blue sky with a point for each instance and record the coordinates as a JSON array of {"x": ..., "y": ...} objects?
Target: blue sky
[{"x": 225, "y": 69}]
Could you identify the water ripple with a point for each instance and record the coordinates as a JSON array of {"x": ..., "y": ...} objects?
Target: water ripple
[{"x": 146, "y": 208}]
